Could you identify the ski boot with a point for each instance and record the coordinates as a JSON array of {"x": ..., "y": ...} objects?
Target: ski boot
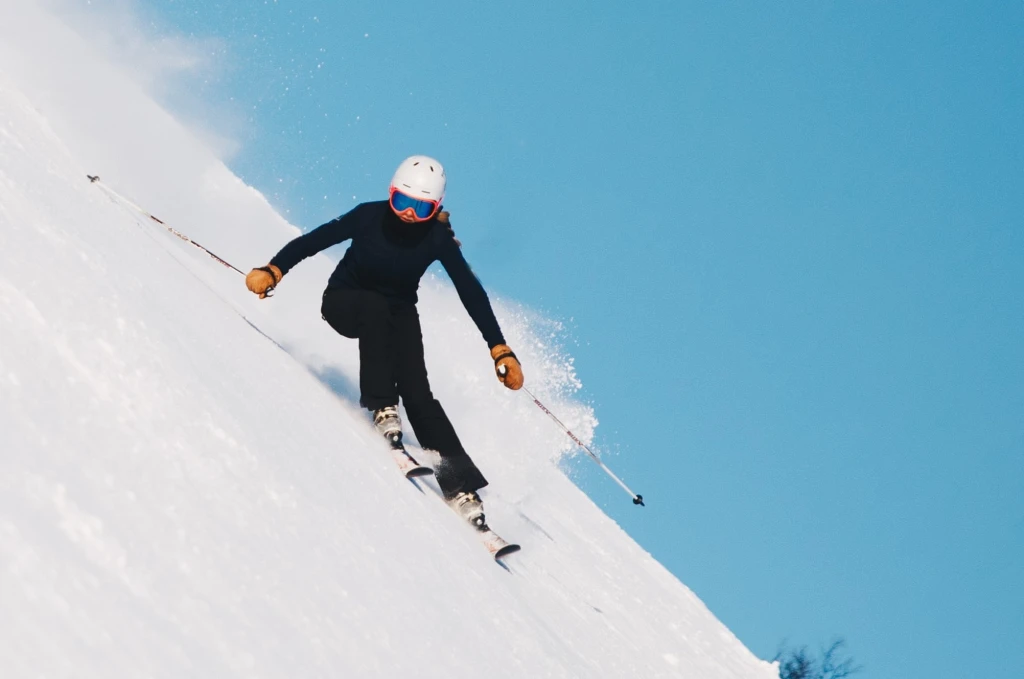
[
  {"x": 388, "y": 423},
  {"x": 469, "y": 507}
]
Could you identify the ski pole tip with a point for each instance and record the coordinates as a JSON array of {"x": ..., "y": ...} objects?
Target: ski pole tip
[{"x": 639, "y": 500}]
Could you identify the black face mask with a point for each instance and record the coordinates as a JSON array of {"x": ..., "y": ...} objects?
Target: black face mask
[{"x": 405, "y": 234}]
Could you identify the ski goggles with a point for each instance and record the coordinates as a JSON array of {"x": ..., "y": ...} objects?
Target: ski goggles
[{"x": 423, "y": 209}]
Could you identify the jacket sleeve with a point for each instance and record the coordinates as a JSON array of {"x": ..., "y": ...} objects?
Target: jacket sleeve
[
  {"x": 471, "y": 292},
  {"x": 317, "y": 240}
]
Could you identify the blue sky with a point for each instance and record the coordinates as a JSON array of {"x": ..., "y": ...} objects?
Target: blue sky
[{"x": 786, "y": 239}]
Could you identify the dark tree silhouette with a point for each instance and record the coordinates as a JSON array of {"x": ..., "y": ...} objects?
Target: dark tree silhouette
[{"x": 797, "y": 663}]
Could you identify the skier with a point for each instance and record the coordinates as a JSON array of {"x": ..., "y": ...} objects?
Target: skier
[{"x": 371, "y": 296}]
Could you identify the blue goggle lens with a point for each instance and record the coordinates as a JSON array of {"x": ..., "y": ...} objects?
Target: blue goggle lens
[{"x": 423, "y": 208}]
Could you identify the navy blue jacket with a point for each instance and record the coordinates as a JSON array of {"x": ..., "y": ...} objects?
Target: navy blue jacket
[{"x": 390, "y": 256}]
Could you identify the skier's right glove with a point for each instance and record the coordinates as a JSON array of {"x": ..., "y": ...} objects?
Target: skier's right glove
[
  {"x": 263, "y": 280},
  {"x": 506, "y": 367}
]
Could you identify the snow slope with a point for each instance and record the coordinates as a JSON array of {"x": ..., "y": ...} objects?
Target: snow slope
[{"x": 186, "y": 485}]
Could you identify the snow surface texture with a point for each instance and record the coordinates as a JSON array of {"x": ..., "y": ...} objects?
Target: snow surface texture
[{"x": 187, "y": 487}]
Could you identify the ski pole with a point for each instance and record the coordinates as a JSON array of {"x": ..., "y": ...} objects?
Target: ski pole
[
  {"x": 637, "y": 499},
  {"x": 117, "y": 196}
]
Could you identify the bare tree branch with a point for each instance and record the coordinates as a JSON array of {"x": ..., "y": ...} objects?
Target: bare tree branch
[{"x": 797, "y": 663}]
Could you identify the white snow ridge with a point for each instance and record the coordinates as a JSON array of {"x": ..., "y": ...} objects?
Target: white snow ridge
[{"x": 187, "y": 488}]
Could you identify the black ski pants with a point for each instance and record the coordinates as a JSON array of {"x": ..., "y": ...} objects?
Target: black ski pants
[{"x": 391, "y": 365}]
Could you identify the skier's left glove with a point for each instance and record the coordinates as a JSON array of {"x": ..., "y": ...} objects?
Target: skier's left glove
[
  {"x": 263, "y": 280},
  {"x": 507, "y": 367}
]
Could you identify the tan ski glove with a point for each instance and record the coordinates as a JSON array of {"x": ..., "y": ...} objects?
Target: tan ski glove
[
  {"x": 263, "y": 280},
  {"x": 506, "y": 367}
]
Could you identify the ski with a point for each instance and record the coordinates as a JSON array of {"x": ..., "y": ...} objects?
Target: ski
[
  {"x": 469, "y": 508},
  {"x": 496, "y": 545},
  {"x": 407, "y": 464}
]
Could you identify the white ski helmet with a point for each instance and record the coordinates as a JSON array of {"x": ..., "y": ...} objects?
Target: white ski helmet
[{"x": 420, "y": 177}]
